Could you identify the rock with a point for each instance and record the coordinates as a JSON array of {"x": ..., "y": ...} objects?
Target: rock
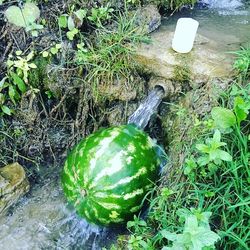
[
  {"x": 120, "y": 113},
  {"x": 13, "y": 185},
  {"x": 205, "y": 62},
  {"x": 148, "y": 18},
  {"x": 171, "y": 89},
  {"x": 122, "y": 89}
]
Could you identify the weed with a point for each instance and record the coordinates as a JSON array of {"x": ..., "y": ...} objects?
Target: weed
[
  {"x": 100, "y": 15},
  {"x": 242, "y": 62},
  {"x": 21, "y": 64},
  {"x": 25, "y": 17},
  {"x": 196, "y": 233},
  {"x": 110, "y": 57}
]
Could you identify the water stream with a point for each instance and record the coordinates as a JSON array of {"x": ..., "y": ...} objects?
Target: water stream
[
  {"x": 42, "y": 220},
  {"x": 147, "y": 108}
]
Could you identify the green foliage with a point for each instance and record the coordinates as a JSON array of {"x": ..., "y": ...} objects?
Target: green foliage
[
  {"x": 196, "y": 234},
  {"x": 242, "y": 62},
  {"x": 110, "y": 57},
  {"x": 72, "y": 21},
  {"x": 212, "y": 152},
  {"x": 16, "y": 82},
  {"x": 171, "y": 4},
  {"x": 226, "y": 186},
  {"x": 11, "y": 88},
  {"x": 21, "y": 64},
  {"x": 100, "y": 15},
  {"x": 25, "y": 17}
]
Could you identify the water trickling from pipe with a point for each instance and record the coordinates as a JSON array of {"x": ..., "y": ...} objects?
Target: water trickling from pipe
[{"x": 147, "y": 108}]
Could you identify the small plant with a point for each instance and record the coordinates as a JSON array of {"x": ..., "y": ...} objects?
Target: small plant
[
  {"x": 11, "y": 89},
  {"x": 242, "y": 62},
  {"x": 53, "y": 50},
  {"x": 100, "y": 15},
  {"x": 72, "y": 21},
  {"x": 196, "y": 235},
  {"x": 25, "y": 17},
  {"x": 213, "y": 154},
  {"x": 21, "y": 64}
]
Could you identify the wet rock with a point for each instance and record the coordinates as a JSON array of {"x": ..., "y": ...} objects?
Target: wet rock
[
  {"x": 13, "y": 185},
  {"x": 205, "y": 62},
  {"x": 119, "y": 114},
  {"x": 171, "y": 89},
  {"x": 122, "y": 89},
  {"x": 148, "y": 18}
]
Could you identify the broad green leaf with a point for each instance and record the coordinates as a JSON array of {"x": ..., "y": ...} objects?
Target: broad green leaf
[
  {"x": 2, "y": 82},
  {"x": 30, "y": 56},
  {"x": 6, "y": 110},
  {"x": 71, "y": 24},
  {"x": 30, "y": 12},
  {"x": 2, "y": 99},
  {"x": 203, "y": 160},
  {"x": 240, "y": 109},
  {"x": 19, "y": 82},
  {"x": 14, "y": 16},
  {"x": 32, "y": 65},
  {"x": 63, "y": 21},
  {"x": 223, "y": 155},
  {"x": 18, "y": 52},
  {"x": 54, "y": 50},
  {"x": 217, "y": 136},
  {"x": 22, "y": 17},
  {"x": 12, "y": 93},
  {"x": 58, "y": 46},
  {"x": 45, "y": 53},
  {"x": 203, "y": 148},
  {"x": 191, "y": 224},
  {"x": 207, "y": 237},
  {"x": 223, "y": 118},
  {"x": 168, "y": 235},
  {"x": 81, "y": 14}
]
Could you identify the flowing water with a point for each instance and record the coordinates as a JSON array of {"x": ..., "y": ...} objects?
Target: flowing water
[
  {"x": 226, "y": 22},
  {"x": 147, "y": 108},
  {"x": 42, "y": 220}
]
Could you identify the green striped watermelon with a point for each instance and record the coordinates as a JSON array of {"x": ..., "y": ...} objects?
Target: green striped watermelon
[{"x": 107, "y": 175}]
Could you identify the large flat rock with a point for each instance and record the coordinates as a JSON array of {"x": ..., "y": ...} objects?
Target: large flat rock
[{"x": 206, "y": 60}]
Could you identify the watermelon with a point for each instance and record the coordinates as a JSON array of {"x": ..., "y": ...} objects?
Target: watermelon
[{"x": 107, "y": 175}]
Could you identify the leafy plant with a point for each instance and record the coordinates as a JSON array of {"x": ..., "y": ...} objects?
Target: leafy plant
[
  {"x": 11, "y": 88},
  {"x": 242, "y": 62},
  {"x": 212, "y": 152},
  {"x": 22, "y": 64},
  {"x": 100, "y": 15},
  {"x": 25, "y": 17},
  {"x": 53, "y": 50},
  {"x": 72, "y": 21},
  {"x": 196, "y": 234}
]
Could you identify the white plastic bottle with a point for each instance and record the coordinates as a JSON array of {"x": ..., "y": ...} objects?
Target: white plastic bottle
[{"x": 184, "y": 35}]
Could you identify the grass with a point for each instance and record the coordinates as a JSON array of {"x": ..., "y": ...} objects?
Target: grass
[{"x": 110, "y": 57}]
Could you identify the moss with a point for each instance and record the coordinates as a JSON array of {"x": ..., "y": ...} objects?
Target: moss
[
  {"x": 182, "y": 73},
  {"x": 38, "y": 76}
]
